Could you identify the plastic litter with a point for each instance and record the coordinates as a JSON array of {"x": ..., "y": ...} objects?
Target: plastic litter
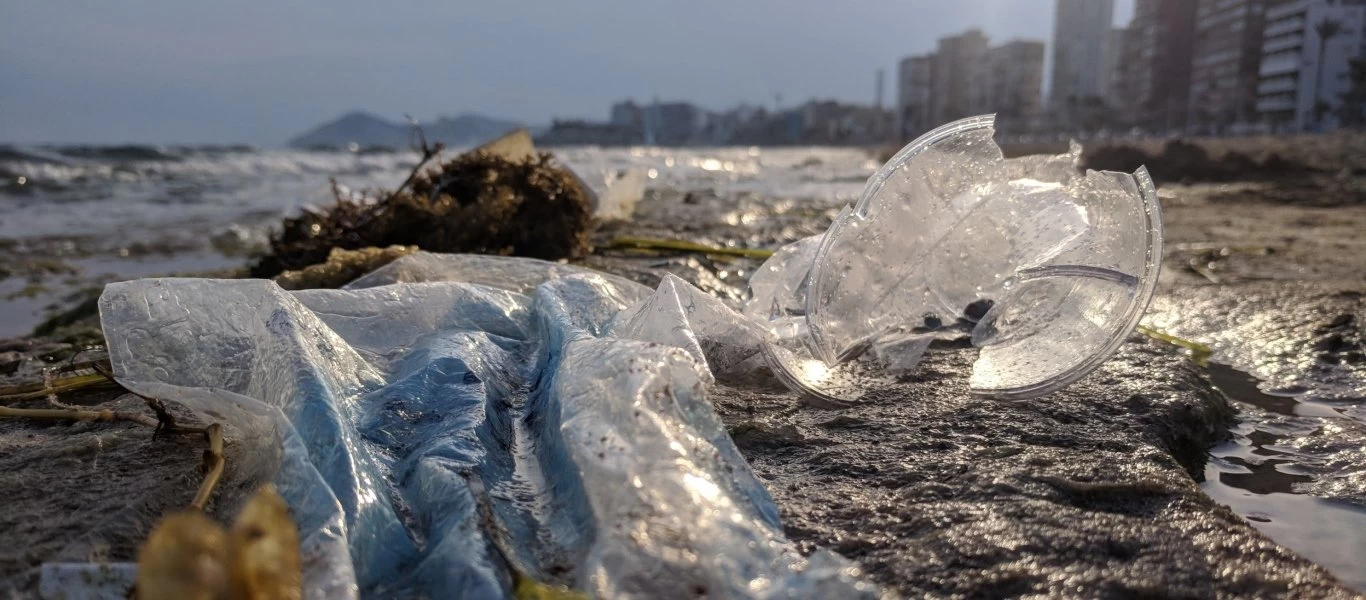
[
  {"x": 1048, "y": 267},
  {"x": 612, "y": 193},
  {"x": 447, "y": 421},
  {"x": 86, "y": 581}
]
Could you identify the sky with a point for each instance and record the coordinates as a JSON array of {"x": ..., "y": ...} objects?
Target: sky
[{"x": 260, "y": 71}]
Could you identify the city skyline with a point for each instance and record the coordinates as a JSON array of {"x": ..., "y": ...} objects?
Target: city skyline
[
  {"x": 142, "y": 72},
  {"x": 1192, "y": 67}
]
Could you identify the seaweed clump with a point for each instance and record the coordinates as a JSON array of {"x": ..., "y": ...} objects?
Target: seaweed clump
[
  {"x": 342, "y": 267},
  {"x": 479, "y": 202}
]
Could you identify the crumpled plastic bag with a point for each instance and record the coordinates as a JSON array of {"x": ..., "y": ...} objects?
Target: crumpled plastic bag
[{"x": 448, "y": 420}]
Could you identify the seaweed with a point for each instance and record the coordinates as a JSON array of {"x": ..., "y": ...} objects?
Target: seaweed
[
  {"x": 342, "y": 267},
  {"x": 663, "y": 245},
  {"x": 479, "y": 202}
]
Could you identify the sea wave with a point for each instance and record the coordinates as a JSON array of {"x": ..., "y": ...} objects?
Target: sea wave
[
  {"x": 786, "y": 171},
  {"x": 70, "y": 166},
  {"x": 143, "y": 191}
]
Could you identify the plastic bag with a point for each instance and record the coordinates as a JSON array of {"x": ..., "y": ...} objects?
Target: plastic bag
[{"x": 449, "y": 420}]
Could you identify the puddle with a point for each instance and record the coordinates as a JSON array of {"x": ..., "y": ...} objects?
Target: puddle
[
  {"x": 1332, "y": 534},
  {"x": 1256, "y": 474},
  {"x": 1241, "y": 387}
]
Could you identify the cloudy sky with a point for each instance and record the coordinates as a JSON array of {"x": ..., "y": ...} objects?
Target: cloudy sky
[{"x": 259, "y": 71}]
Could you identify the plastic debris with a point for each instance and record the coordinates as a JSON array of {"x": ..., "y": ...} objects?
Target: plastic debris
[
  {"x": 1048, "y": 267},
  {"x": 449, "y": 420},
  {"x": 613, "y": 194}
]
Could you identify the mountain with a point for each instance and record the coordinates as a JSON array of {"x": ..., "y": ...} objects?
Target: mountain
[
  {"x": 367, "y": 129},
  {"x": 467, "y": 129},
  {"x": 359, "y": 127}
]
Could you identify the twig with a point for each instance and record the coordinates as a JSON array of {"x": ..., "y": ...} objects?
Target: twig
[
  {"x": 1199, "y": 352},
  {"x": 73, "y": 367},
  {"x": 107, "y": 374},
  {"x": 104, "y": 414},
  {"x": 165, "y": 422},
  {"x": 1198, "y": 266},
  {"x": 76, "y": 414},
  {"x": 213, "y": 466},
  {"x": 428, "y": 151},
  {"x": 40, "y": 390},
  {"x": 1220, "y": 247},
  {"x": 682, "y": 246},
  {"x": 336, "y": 189}
]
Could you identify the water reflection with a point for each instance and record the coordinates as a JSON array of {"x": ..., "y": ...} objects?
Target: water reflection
[
  {"x": 1245, "y": 388},
  {"x": 1256, "y": 475}
]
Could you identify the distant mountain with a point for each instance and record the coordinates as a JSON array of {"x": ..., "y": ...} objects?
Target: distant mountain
[
  {"x": 467, "y": 129},
  {"x": 359, "y": 127},
  {"x": 367, "y": 129}
]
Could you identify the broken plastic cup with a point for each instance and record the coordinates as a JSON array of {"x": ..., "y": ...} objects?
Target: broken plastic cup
[{"x": 1048, "y": 267}]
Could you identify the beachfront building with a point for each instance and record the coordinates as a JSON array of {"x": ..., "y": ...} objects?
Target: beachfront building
[
  {"x": 833, "y": 122},
  {"x": 1115, "y": 99},
  {"x": 1082, "y": 61},
  {"x": 671, "y": 123},
  {"x": 627, "y": 115},
  {"x": 722, "y": 128},
  {"x": 956, "y": 70},
  {"x": 1225, "y": 62},
  {"x": 1014, "y": 89},
  {"x": 913, "y": 97},
  {"x": 1155, "y": 73},
  {"x": 966, "y": 76},
  {"x": 1306, "y": 55}
]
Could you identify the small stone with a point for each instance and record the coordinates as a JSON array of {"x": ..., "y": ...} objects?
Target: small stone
[
  {"x": 978, "y": 309},
  {"x": 9, "y": 362}
]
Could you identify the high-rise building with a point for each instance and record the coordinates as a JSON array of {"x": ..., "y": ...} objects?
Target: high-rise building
[
  {"x": 671, "y": 123},
  {"x": 1081, "y": 55},
  {"x": 1224, "y": 64},
  {"x": 1115, "y": 100},
  {"x": 1155, "y": 75},
  {"x": 913, "y": 97},
  {"x": 966, "y": 77},
  {"x": 956, "y": 75},
  {"x": 626, "y": 114},
  {"x": 1014, "y": 83},
  {"x": 1307, "y": 49}
]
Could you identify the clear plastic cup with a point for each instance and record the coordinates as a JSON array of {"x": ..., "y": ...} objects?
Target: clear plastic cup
[{"x": 1047, "y": 267}]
